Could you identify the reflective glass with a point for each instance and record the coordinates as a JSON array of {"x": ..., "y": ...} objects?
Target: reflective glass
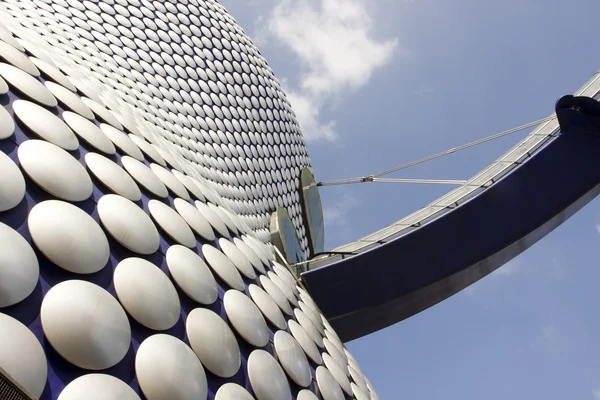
[
  {"x": 313, "y": 211},
  {"x": 284, "y": 236}
]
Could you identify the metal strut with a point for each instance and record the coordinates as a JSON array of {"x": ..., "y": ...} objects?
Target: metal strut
[{"x": 375, "y": 177}]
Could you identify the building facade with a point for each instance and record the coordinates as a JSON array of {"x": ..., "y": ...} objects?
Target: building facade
[{"x": 148, "y": 159}]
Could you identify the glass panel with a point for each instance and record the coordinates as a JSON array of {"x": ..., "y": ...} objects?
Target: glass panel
[
  {"x": 383, "y": 233},
  {"x": 313, "y": 211},
  {"x": 351, "y": 247},
  {"x": 454, "y": 196},
  {"x": 534, "y": 139},
  {"x": 519, "y": 154},
  {"x": 591, "y": 87},
  {"x": 420, "y": 215},
  {"x": 547, "y": 128},
  {"x": 284, "y": 236},
  {"x": 493, "y": 171},
  {"x": 322, "y": 263}
]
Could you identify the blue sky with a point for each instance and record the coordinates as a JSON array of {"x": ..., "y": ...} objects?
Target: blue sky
[{"x": 391, "y": 81}]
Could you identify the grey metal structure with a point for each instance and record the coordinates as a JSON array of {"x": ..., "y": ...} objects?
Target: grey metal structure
[
  {"x": 144, "y": 146},
  {"x": 441, "y": 249}
]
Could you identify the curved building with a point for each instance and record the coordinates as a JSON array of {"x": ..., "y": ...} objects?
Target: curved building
[
  {"x": 161, "y": 230},
  {"x": 148, "y": 158}
]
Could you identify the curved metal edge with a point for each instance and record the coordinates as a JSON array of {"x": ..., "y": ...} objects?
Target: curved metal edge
[
  {"x": 396, "y": 280},
  {"x": 514, "y": 157},
  {"x": 307, "y": 188}
]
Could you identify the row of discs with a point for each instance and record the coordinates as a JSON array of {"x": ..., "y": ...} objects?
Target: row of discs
[
  {"x": 135, "y": 255},
  {"x": 187, "y": 79}
]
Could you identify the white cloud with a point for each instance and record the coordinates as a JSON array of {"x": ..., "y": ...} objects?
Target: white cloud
[
  {"x": 332, "y": 39},
  {"x": 469, "y": 290},
  {"x": 510, "y": 268},
  {"x": 307, "y": 112},
  {"x": 425, "y": 91},
  {"x": 596, "y": 393},
  {"x": 552, "y": 339},
  {"x": 550, "y": 334},
  {"x": 337, "y": 214},
  {"x": 598, "y": 228}
]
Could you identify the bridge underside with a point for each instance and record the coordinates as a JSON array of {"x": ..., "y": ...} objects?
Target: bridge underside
[{"x": 382, "y": 286}]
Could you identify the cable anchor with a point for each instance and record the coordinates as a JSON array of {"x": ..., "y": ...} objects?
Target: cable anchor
[{"x": 370, "y": 178}]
